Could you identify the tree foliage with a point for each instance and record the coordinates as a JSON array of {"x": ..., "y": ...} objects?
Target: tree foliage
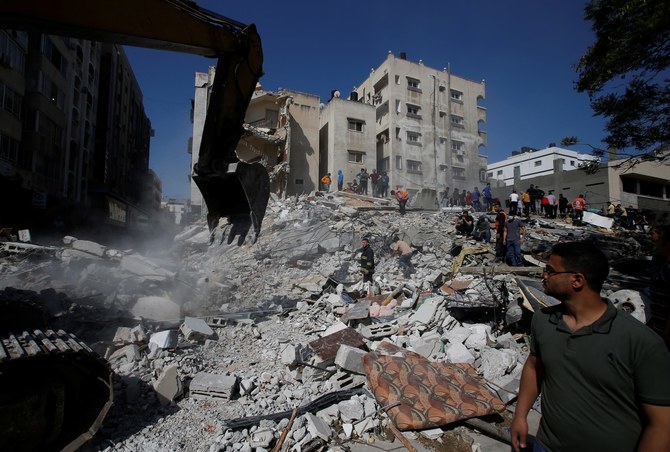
[{"x": 626, "y": 71}]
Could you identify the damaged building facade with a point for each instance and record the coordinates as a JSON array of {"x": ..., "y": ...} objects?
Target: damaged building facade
[
  {"x": 74, "y": 138},
  {"x": 280, "y": 131},
  {"x": 427, "y": 126}
]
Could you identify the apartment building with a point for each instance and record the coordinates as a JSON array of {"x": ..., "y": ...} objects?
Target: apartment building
[
  {"x": 72, "y": 148},
  {"x": 529, "y": 162},
  {"x": 347, "y": 138},
  {"x": 428, "y": 126}
]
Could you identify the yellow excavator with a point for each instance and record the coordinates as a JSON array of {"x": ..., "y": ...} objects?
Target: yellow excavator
[{"x": 55, "y": 390}]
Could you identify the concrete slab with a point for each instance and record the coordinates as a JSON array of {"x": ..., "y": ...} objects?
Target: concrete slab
[
  {"x": 168, "y": 386},
  {"x": 208, "y": 385},
  {"x": 195, "y": 329},
  {"x": 351, "y": 359},
  {"x": 89, "y": 247}
]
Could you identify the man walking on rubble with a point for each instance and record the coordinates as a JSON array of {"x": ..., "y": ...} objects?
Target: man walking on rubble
[
  {"x": 367, "y": 261},
  {"x": 602, "y": 374},
  {"x": 326, "y": 181},
  {"x": 401, "y": 196},
  {"x": 404, "y": 251}
]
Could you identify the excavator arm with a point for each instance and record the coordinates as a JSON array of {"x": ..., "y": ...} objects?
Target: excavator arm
[{"x": 230, "y": 188}]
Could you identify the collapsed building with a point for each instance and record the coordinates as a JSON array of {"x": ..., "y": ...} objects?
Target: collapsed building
[{"x": 280, "y": 344}]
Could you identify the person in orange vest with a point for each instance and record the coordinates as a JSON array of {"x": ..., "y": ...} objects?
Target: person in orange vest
[
  {"x": 326, "y": 181},
  {"x": 579, "y": 204},
  {"x": 401, "y": 196}
]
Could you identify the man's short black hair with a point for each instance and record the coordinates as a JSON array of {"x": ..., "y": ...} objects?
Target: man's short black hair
[{"x": 584, "y": 258}]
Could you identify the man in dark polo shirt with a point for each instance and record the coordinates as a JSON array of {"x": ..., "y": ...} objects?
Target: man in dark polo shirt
[{"x": 603, "y": 375}]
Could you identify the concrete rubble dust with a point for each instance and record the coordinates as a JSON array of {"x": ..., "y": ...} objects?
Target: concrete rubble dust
[{"x": 209, "y": 341}]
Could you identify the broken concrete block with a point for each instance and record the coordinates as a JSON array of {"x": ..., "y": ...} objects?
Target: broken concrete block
[
  {"x": 346, "y": 380},
  {"x": 289, "y": 355},
  {"x": 125, "y": 335},
  {"x": 89, "y": 247},
  {"x": 210, "y": 385},
  {"x": 317, "y": 427},
  {"x": 168, "y": 386},
  {"x": 351, "y": 359},
  {"x": 261, "y": 438},
  {"x": 479, "y": 337},
  {"x": 351, "y": 410},
  {"x": 427, "y": 310},
  {"x": 496, "y": 363},
  {"x": 130, "y": 352},
  {"x": 379, "y": 330},
  {"x": 156, "y": 308},
  {"x": 457, "y": 334},
  {"x": 426, "y": 345},
  {"x": 195, "y": 329},
  {"x": 633, "y": 302},
  {"x": 458, "y": 353},
  {"x": 164, "y": 339}
]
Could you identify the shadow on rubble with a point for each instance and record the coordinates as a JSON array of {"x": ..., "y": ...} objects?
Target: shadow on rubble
[{"x": 135, "y": 408}]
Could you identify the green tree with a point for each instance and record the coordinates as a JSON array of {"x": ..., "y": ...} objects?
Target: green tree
[{"x": 626, "y": 72}]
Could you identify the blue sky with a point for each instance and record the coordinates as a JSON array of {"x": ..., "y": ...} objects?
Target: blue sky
[{"x": 525, "y": 50}]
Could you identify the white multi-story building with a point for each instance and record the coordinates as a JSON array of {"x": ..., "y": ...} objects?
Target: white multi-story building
[
  {"x": 531, "y": 163},
  {"x": 427, "y": 126}
]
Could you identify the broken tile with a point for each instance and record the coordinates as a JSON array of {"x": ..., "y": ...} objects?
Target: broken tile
[{"x": 326, "y": 347}]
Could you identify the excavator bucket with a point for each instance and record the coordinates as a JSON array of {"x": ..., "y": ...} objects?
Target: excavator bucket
[{"x": 241, "y": 194}]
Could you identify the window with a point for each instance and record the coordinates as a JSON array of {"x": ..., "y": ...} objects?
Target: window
[
  {"x": 386, "y": 166},
  {"x": 444, "y": 168},
  {"x": 9, "y": 149},
  {"x": 52, "y": 54},
  {"x": 443, "y": 88},
  {"x": 51, "y": 91},
  {"x": 413, "y": 138},
  {"x": 457, "y": 121},
  {"x": 443, "y": 114},
  {"x": 489, "y": 174},
  {"x": 499, "y": 173},
  {"x": 572, "y": 163},
  {"x": 413, "y": 111},
  {"x": 355, "y": 125},
  {"x": 10, "y": 100},
  {"x": 443, "y": 140},
  {"x": 11, "y": 54},
  {"x": 482, "y": 175},
  {"x": 355, "y": 157},
  {"x": 413, "y": 166},
  {"x": 457, "y": 145},
  {"x": 538, "y": 162},
  {"x": 456, "y": 95},
  {"x": 398, "y": 162},
  {"x": 413, "y": 84},
  {"x": 458, "y": 173}
]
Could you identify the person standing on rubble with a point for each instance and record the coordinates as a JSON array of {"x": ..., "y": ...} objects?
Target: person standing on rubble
[
  {"x": 363, "y": 178},
  {"x": 513, "y": 236},
  {"x": 488, "y": 198},
  {"x": 562, "y": 204},
  {"x": 579, "y": 204},
  {"x": 603, "y": 375},
  {"x": 384, "y": 185},
  {"x": 513, "y": 202},
  {"x": 374, "y": 180},
  {"x": 367, "y": 261},
  {"x": 501, "y": 218},
  {"x": 401, "y": 196},
  {"x": 475, "y": 199},
  {"x": 326, "y": 181},
  {"x": 404, "y": 251},
  {"x": 340, "y": 180}
]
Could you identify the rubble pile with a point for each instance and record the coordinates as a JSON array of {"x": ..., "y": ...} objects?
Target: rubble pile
[{"x": 275, "y": 344}]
